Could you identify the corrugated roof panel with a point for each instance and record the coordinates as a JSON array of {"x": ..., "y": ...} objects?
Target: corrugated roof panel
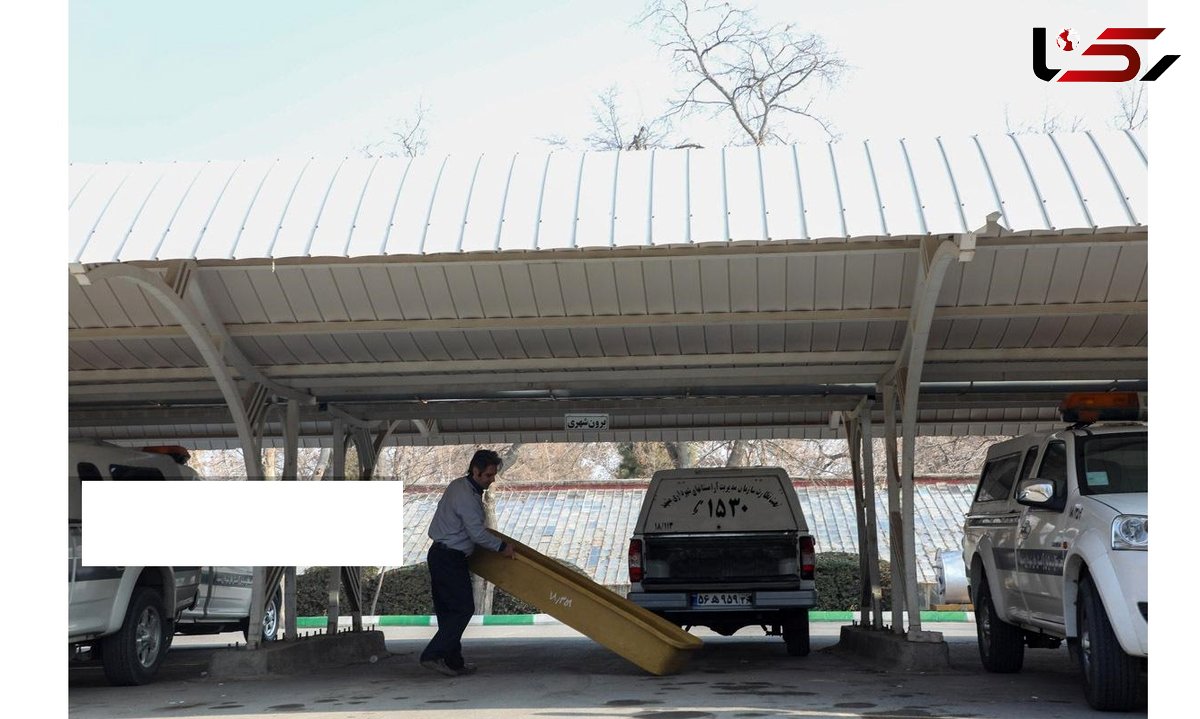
[
  {"x": 519, "y": 224},
  {"x": 631, "y": 224},
  {"x": 857, "y": 188},
  {"x": 671, "y": 222},
  {"x": 744, "y": 188},
  {"x": 339, "y": 206},
  {"x": 1055, "y": 184},
  {"x": 1068, "y": 270},
  {"x": 159, "y": 208},
  {"x": 373, "y": 213},
  {"x": 1129, "y": 275},
  {"x": 975, "y": 190},
  {"x": 939, "y": 196},
  {"x": 709, "y": 212},
  {"x": 1034, "y": 282},
  {"x": 257, "y": 234},
  {"x": 630, "y": 287},
  {"x": 1121, "y": 152},
  {"x": 303, "y": 210},
  {"x": 782, "y": 193},
  {"x": 823, "y": 211},
  {"x": 121, "y": 210},
  {"x": 1020, "y": 202},
  {"x": 451, "y": 204},
  {"x": 489, "y": 179},
  {"x": 410, "y": 220}
]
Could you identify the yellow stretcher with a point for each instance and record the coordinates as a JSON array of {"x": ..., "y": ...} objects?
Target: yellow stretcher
[{"x": 637, "y": 634}]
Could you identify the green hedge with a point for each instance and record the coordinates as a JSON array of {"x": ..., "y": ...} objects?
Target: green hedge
[
  {"x": 406, "y": 590},
  {"x": 837, "y": 582}
]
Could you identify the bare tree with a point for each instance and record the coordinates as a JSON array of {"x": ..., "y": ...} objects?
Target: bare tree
[
  {"x": 615, "y": 132},
  {"x": 1134, "y": 112},
  {"x": 409, "y": 137},
  {"x": 755, "y": 75},
  {"x": 1049, "y": 122}
]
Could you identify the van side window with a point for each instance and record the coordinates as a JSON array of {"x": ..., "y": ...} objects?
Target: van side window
[
  {"x": 87, "y": 470},
  {"x": 130, "y": 473},
  {"x": 1054, "y": 462},
  {"x": 999, "y": 475}
]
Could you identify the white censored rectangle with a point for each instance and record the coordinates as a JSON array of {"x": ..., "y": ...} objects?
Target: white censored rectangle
[{"x": 243, "y": 523}]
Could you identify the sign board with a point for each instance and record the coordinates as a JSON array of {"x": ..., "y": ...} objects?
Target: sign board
[{"x": 586, "y": 422}]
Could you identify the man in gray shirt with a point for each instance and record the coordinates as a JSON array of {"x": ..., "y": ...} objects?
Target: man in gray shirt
[{"x": 458, "y": 526}]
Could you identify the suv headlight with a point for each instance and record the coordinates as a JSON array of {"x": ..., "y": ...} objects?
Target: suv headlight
[{"x": 1130, "y": 531}]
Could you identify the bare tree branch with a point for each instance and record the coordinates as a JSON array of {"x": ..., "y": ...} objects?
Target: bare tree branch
[
  {"x": 1134, "y": 112},
  {"x": 739, "y": 69},
  {"x": 409, "y": 138}
]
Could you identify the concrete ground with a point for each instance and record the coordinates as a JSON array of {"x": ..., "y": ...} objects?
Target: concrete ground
[{"x": 552, "y": 671}]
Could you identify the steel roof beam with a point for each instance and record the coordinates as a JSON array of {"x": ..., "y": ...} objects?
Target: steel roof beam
[{"x": 897, "y": 314}]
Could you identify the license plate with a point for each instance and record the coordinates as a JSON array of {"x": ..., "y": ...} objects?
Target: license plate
[{"x": 721, "y": 599}]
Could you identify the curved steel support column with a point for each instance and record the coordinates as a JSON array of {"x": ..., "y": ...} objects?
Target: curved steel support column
[
  {"x": 906, "y": 376},
  {"x": 157, "y": 288}
]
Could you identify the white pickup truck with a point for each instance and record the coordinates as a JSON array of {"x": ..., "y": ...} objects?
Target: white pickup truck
[
  {"x": 1055, "y": 545},
  {"x": 128, "y": 615},
  {"x": 725, "y": 548}
]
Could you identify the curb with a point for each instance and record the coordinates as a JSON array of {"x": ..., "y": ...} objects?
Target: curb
[{"x": 491, "y": 620}]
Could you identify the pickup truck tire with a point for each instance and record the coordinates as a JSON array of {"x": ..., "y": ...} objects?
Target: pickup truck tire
[
  {"x": 271, "y": 618},
  {"x": 1001, "y": 645},
  {"x": 1111, "y": 678},
  {"x": 133, "y": 654},
  {"x": 795, "y": 633}
]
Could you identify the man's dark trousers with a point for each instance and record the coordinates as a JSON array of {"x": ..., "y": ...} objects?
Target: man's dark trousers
[{"x": 453, "y": 603}]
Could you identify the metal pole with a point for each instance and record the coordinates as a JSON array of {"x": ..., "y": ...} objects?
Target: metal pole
[
  {"x": 258, "y": 592},
  {"x": 339, "y": 449},
  {"x": 291, "y": 441},
  {"x": 864, "y": 419},
  {"x": 854, "y": 447},
  {"x": 289, "y": 604},
  {"x": 895, "y": 518},
  {"x": 333, "y": 585}
]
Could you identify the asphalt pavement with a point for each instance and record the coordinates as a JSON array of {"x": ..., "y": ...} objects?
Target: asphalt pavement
[{"x": 552, "y": 671}]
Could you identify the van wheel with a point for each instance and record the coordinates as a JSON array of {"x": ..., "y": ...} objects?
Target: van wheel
[
  {"x": 1110, "y": 676},
  {"x": 134, "y": 653},
  {"x": 795, "y": 633},
  {"x": 1001, "y": 645},
  {"x": 271, "y": 618}
]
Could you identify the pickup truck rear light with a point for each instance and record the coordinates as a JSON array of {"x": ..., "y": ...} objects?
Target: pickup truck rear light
[
  {"x": 635, "y": 560},
  {"x": 808, "y": 558}
]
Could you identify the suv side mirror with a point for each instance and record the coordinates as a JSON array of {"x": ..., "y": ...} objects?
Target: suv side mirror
[{"x": 1042, "y": 494}]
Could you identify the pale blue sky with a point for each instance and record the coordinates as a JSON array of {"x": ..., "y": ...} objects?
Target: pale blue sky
[{"x": 223, "y": 79}]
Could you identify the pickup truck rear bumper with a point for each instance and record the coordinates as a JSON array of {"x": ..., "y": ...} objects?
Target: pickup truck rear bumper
[{"x": 676, "y": 602}]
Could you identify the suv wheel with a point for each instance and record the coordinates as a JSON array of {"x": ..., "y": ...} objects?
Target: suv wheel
[
  {"x": 1001, "y": 645},
  {"x": 795, "y": 633},
  {"x": 1110, "y": 676},
  {"x": 134, "y": 653}
]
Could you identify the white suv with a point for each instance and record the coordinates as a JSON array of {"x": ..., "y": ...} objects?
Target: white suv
[{"x": 1055, "y": 546}]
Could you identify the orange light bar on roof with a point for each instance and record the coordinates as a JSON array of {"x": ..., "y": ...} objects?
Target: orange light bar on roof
[
  {"x": 174, "y": 451},
  {"x": 1103, "y": 407}
]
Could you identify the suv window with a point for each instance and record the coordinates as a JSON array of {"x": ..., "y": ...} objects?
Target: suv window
[
  {"x": 998, "y": 478},
  {"x": 129, "y": 472},
  {"x": 1027, "y": 465},
  {"x": 1113, "y": 463}
]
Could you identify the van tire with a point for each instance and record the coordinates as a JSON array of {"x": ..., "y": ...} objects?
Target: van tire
[
  {"x": 1111, "y": 678},
  {"x": 134, "y": 653},
  {"x": 271, "y": 618},
  {"x": 1001, "y": 645},
  {"x": 795, "y": 633}
]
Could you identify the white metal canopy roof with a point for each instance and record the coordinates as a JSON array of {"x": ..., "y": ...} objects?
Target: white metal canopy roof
[{"x": 481, "y": 297}]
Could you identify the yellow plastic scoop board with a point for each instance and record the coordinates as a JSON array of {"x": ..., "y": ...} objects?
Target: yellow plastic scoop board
[{"x": 635, "y": 633}]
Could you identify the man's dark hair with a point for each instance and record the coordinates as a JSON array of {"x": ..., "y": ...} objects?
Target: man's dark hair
[{"x": 484, "y": 458}]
